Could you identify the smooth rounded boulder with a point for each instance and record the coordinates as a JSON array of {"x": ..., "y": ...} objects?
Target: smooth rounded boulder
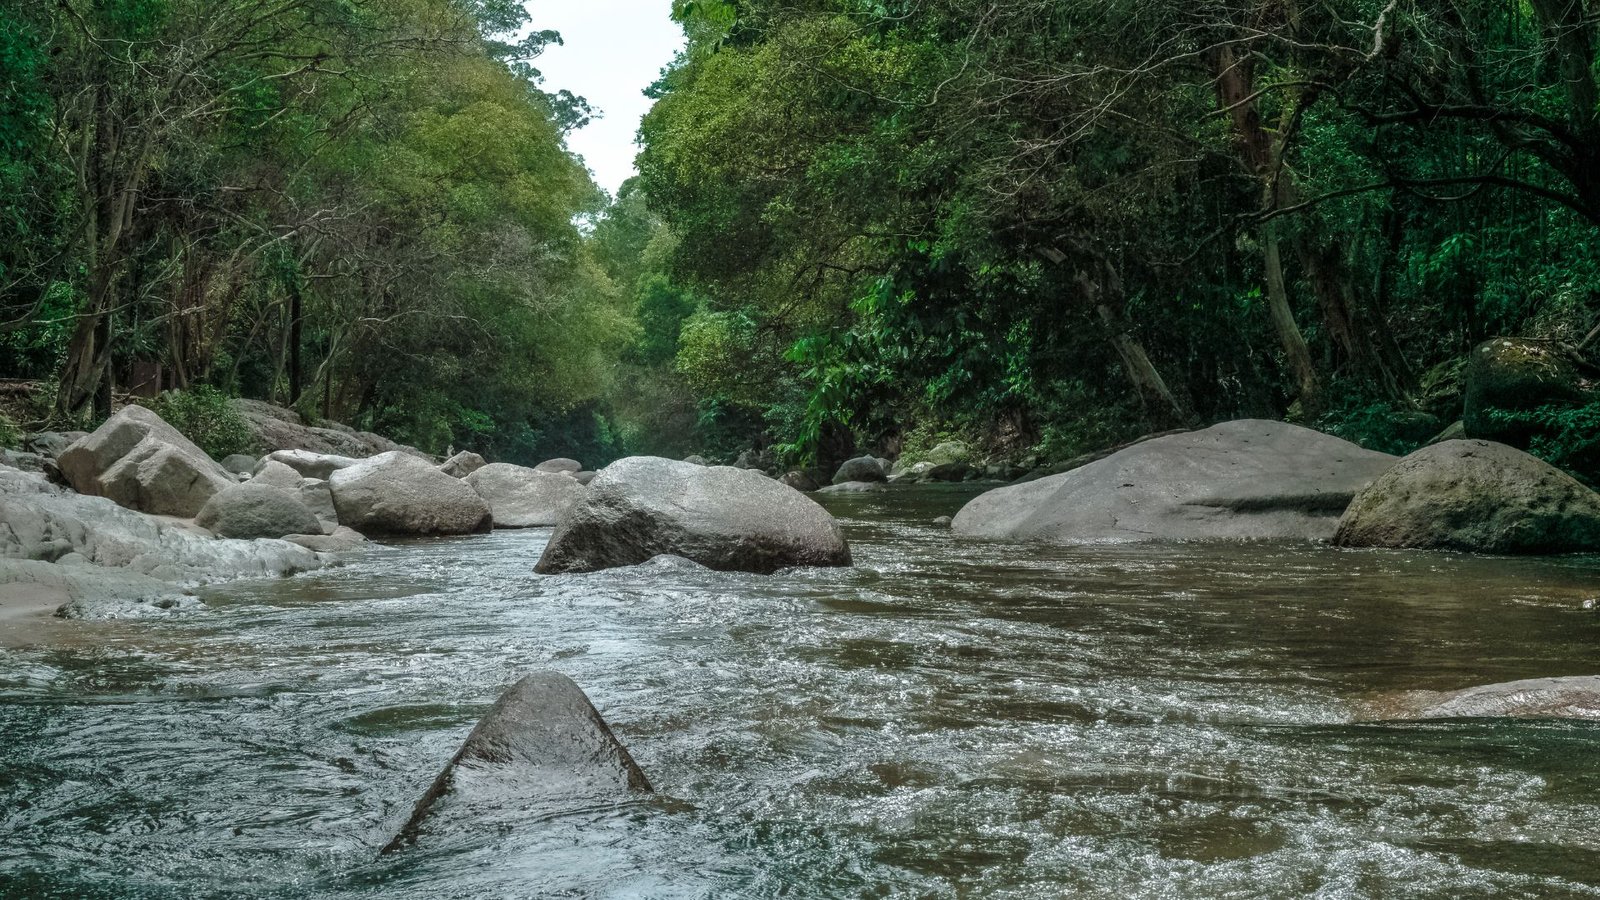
[
  {"x": 560, "y": 466},
  {"x": 520, "y": 497},
  {"x": 252, "y": 510},
  {"x": 862, "y": 468},
  {"x": 721, "y": 517},
  {"x": 396, "y": 493},
  {"x": 1477, "y": 496},
  {"x": 139, "y": 461},
  {"x": 311, "y": 465},
  {"x": 542, "y": 749},
  {"x": 1249, "y": 479},
  {"x": 1507, "y": 377}
]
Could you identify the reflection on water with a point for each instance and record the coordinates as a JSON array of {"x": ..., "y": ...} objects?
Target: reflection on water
[{"x": 946, "y": 719}]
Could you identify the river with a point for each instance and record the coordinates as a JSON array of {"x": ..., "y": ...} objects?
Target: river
[{"x": 947, "y": 719}]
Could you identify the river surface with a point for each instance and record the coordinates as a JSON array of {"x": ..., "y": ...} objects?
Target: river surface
[{"x": 947, "y": 719}]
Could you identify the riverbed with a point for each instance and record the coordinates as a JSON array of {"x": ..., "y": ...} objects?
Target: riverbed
[{"x": 949, "y": 718}]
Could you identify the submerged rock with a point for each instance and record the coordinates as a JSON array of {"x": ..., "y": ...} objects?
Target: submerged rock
[
  {"x": 1477, "y": 496},
  {"x": 1245, "y": 480},
  {"x": 462, "y": 464},
  {"x": 542, "y": 749},
  {"x": 142, "y": 463},
  {"x": 252, "y": 510},
  {"x": 341, "y": 540},
  {"x": 721, "y": 517},
  {"x": 853, "y": 487},
  {"x": 520, "y": 497},
  {"x": 395, "y": 493},
  {"x": 1571, "y": 697}
]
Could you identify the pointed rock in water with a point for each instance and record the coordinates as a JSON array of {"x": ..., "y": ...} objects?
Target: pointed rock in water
[
  {"x": 721, "y": 517},
  {"x": 1570, "y": 697},
  {"x": 862, "y": 468},
  {"x": 541, "y": 749},
  {"x": 1251, "y": 479}
]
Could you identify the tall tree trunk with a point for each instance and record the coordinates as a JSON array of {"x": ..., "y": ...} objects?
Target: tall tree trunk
[
  {"x": 1105, "y": 293},
  {"x": 1295, "y": 350}
]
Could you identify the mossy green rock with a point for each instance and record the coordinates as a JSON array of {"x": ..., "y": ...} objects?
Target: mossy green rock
[
  {"x": 1476, "y": 496},
  {"x": 1511, "y": 375}
]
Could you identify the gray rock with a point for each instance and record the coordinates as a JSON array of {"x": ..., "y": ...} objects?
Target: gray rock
[
  {"x": 463, "y": 464},
  {"x": 853, "y": 487},
  {"x": 276, "y": 428},
  {"x": 276, "y": 474},
  {"x": 1571, "y": 697},
  {"x": 1477, "y": 496},
  {"x": 395, "y": 493},
  {"x": 560, "y": 466},
  {"x": 100, "y": 543},
  {"x": 27, "y": 462},
  {"x": 142, "y": 463},
  {"x": 52, "y": 443},
  {"x": 240, "y": 464},
  {"x": 584, "y": 477},
  {"x": 862, "y": 468},
  {"x": 942, "y": 521},
  {"x": 718, "y": 516},
  {"x": 749, "y": 459},
  {"x": 340, "y": 540},
  {"x": 1244, "y": 480},
  {"x": 311, "y": 465},
  {"x": 800, "y": 480},
  {"x": 253, "y": 510},
  {"x": 697, "y": 460},
  {"x": 520, "y": 497},
  {"x": 1455, "y": 431},
  {"x": 318, "y": 497},
  {"x": 114, "y": 608},
  {"x": 542, "y": 749},
  {"x": 914, "y": 472}
]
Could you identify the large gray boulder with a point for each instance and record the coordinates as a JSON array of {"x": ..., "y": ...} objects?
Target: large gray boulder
[
  {"x": 1477, "y": 496},
  {"x": 721, "y": 517},
  {"x": 1570, "y": 697},
  {"x": 862, "y": 468},
  {"x": 520, "y": 497},
  {"x": 253, "y": 510},
  {"x": 240, "y": 463},
  {"x": 396, "y": 493},
  {"x": 560, "y": 466},
  {"x": 142, "y": 463},
  {"x": 310, "y": 465},
  {"x": 57, "y": 546},
  {"x": 274, "y": 473},
  {"x": 1245, "y": 480},
  {"x": 463, "y": 464},
  {"x": 542, "y": 749},
  {"x": 277, "y": 428}
]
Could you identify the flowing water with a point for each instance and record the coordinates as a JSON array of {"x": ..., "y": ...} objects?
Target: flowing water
[{"x": 947, "y": 719}]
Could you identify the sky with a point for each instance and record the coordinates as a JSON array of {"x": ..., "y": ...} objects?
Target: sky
[{"x": 613, "y": 50}]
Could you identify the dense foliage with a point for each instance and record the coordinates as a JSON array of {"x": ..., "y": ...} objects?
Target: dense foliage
[
  {"x": 1042, "y": 226},
  {"x": 362, "y": 209},
  {"x": 1051, "y": 224}
]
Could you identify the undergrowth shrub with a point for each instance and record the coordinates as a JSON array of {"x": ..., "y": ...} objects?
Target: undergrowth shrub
[{"x": 202, "y": 414}]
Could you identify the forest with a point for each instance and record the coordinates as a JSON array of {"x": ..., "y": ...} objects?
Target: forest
[{"x": 1044, "y": 227}]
